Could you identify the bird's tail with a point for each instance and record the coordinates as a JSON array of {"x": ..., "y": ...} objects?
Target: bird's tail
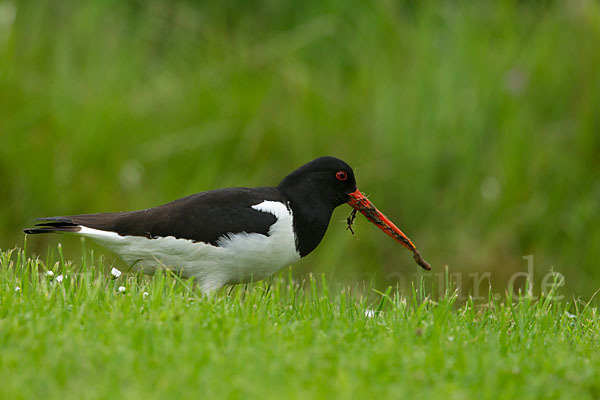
[{"x": 53, "y": 224}]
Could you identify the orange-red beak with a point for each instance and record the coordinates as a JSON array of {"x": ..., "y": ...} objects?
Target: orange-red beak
[{"x": 359, "y": 202}]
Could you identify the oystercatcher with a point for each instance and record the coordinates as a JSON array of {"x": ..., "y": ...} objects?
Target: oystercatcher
[{"x": 234, "y": 235}]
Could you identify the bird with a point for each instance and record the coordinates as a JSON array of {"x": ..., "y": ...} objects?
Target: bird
[{"x": 234, "y": 235}]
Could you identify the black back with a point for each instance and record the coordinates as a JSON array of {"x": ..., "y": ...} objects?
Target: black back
[{"x": 202, "y": 217}]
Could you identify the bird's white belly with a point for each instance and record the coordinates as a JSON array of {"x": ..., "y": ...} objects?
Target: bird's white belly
[{"x": 238, "y": 258}]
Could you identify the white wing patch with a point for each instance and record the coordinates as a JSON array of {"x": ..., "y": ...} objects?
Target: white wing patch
[{"x": 238, "y": 258}]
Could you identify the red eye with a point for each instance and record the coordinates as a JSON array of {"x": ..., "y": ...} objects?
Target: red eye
[{"x": 341, "y": 175}]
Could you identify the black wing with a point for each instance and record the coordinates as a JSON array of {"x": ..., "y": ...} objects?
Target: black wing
[{"x": 202, "y": 217}]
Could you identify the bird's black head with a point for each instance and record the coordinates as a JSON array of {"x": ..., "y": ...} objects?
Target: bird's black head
[
  {"x": 326, "y": 180},
  {"x": 318, "y": 187}
]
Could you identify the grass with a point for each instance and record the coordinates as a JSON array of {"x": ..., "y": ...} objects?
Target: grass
[
  {"x": 473, "y": 125},
  {"x": 84, "y": 338}
]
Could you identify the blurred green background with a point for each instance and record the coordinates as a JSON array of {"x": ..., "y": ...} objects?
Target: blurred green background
[{"x": 475, "y": 126}]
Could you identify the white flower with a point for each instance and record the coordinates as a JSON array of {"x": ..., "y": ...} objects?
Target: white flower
[
  {"x": 145, "y": 294},
  {"x": 369, "y": 313},
  {"x": 121, "y": 289},
  {"x": 49, "y": 274},
  {"x": 17, "y": 289},
  {"x": 115, "y": 273},
  {"x": 569, "y": 315},
  {"x": 59, "y": 279}
]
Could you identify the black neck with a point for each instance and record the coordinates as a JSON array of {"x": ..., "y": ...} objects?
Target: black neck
[{"x": 311, "y": 218}]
